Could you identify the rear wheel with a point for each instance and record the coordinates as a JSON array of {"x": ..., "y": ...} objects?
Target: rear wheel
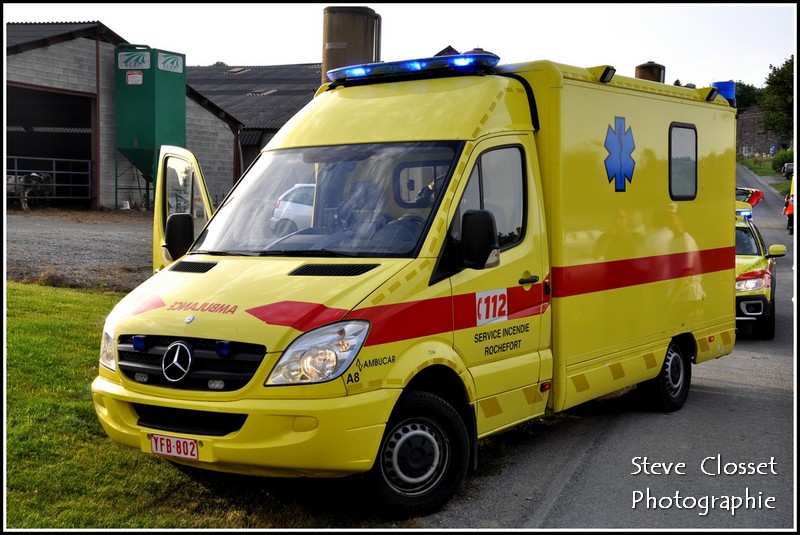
[
  {"x": 285, "y": 227},
  {"x": 423, "y": 457},
  {"x": 670, "y": 388}
]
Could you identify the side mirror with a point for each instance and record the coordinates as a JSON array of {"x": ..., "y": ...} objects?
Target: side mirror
[
  {"x": 479, "y": 246},
  {"x": 776, "y": 250},
  {"x": 179, "y": 234}
]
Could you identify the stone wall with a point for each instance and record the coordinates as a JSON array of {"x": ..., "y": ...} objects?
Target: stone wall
[{"x": 750, "y": 137}]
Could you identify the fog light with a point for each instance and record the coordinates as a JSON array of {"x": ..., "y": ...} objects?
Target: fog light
[
  {"x": 216, "y": 384},
  {"x": 141, "y": 377}
]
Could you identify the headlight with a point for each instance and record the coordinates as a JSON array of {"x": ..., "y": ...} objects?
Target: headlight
[
  {"x": 108, "y": 350},
  {"x": 320, "y": 355},
  {"x": 752, "y": 281}
]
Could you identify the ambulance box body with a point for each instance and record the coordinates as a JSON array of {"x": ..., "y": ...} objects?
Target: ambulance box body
[{"x": 486, "y": 244}]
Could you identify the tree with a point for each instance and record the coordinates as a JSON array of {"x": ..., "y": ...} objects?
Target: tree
[
  {"x": 746, "y": 95},
  {"x": 777, "y": 101}
]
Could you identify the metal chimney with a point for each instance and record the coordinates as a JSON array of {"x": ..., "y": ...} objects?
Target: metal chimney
[
  {"x": 651, "y": 71},
  {"x": 350, "y": 35}
]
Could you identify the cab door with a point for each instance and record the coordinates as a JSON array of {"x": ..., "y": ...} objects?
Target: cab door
[
  {"x": 501, "y": 313},
  {"x": 179, "y": 188}
]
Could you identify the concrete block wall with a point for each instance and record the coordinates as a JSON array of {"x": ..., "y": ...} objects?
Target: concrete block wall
[
  {"x": 69, "y": 65},
  {"x": 212, "y": 142}
]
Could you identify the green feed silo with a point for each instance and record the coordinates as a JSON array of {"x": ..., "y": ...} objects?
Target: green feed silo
[{"x": 150, "y": 96}]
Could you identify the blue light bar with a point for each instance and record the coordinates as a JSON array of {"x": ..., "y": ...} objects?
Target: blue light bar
[
  {"x": 467, "y": 62},
  {"x": 744, "y": 213}
]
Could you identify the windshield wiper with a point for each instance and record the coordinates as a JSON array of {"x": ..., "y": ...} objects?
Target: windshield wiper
[
  {"x": 224, "y": 253},
  {"x": 310, "y": 252}
]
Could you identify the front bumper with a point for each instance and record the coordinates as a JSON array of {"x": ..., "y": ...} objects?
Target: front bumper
[
  {"x": 329, "y": 437},
  {"x": 752, "y": 307}
]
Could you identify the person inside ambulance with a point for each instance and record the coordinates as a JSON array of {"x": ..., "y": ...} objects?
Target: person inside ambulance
[
  {"x": 406, "y": 230},
  {"x": 428, "y": 194}
]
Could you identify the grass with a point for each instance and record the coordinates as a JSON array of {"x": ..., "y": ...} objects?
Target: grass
[
  {"x": 760, "y": 166},
  {"x": 63, "y": 472}
]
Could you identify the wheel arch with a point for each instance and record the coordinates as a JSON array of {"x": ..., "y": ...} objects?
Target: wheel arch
[
  {"x": 688, "y": 345},
  {"x": 444, "y": 382}
]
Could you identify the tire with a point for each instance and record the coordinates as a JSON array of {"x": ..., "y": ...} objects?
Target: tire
[
  {"x": 423, "y": 457},
  {"x": 669, "y": 389},
  {"x": 764, "y": 329},
  {"x": 285, "y": 227}
]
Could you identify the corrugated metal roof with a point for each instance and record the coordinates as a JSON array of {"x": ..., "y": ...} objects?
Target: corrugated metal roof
[
  {"x": 261, "y": 97},
  {"x": 23, "y": 36}
]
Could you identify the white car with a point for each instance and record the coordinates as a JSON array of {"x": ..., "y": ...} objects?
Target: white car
[{"x": 293, "y": 210}]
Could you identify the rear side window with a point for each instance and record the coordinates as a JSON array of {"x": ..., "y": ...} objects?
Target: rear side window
[{"x": 682, "y": 162}]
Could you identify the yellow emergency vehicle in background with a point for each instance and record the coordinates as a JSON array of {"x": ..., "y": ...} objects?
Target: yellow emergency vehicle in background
[{"x": 487, "y": 243}]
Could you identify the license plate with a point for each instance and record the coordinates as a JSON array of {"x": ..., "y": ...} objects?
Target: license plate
[{"x": 173, "y": 447}]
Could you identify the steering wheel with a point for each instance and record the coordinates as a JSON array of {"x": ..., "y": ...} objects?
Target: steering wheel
[{"x": 407, "y": 228}]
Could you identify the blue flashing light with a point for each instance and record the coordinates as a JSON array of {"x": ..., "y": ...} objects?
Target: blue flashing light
[
  {"x": 139, "y": 343},
  {"x": 744, "y": 213},
  {"x": 223, "y": 349},
  {"x": 728, "y": 90},
  {"x": 469, "y": 61}
]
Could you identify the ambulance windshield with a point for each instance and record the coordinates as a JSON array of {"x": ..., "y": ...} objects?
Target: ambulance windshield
[{"x": 368, "y": 200}]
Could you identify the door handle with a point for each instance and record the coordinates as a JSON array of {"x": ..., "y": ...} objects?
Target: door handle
[{"x": 529, "y": 280}]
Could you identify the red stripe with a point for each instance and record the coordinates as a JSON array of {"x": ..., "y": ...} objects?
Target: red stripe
[
  {"x": 403, "y": 321},
  {"x": 296, "y": 314},
  {"x": 587, "y": 278},
  {"x": 391, "y": 323},
  {"x": 148, "y": 303}
]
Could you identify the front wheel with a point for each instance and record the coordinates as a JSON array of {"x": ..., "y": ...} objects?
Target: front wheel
[
  {"x": 423, "y": 457},
  {"x": 670, "y": 388}
]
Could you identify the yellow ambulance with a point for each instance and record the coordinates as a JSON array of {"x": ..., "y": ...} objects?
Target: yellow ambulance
[{"x": 487, "y": 243}]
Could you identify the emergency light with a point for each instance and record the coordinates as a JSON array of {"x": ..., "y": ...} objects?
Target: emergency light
[{"x": 474, "y": 61}]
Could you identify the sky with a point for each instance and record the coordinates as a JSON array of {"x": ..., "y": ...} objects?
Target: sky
[{"x": 697, "y": 43}]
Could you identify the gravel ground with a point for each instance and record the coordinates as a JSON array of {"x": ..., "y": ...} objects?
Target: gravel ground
[{"x": 108, "y": 250}]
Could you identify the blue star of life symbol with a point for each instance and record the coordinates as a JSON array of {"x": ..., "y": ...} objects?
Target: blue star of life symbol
[{"x": 620, "y": 145}]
